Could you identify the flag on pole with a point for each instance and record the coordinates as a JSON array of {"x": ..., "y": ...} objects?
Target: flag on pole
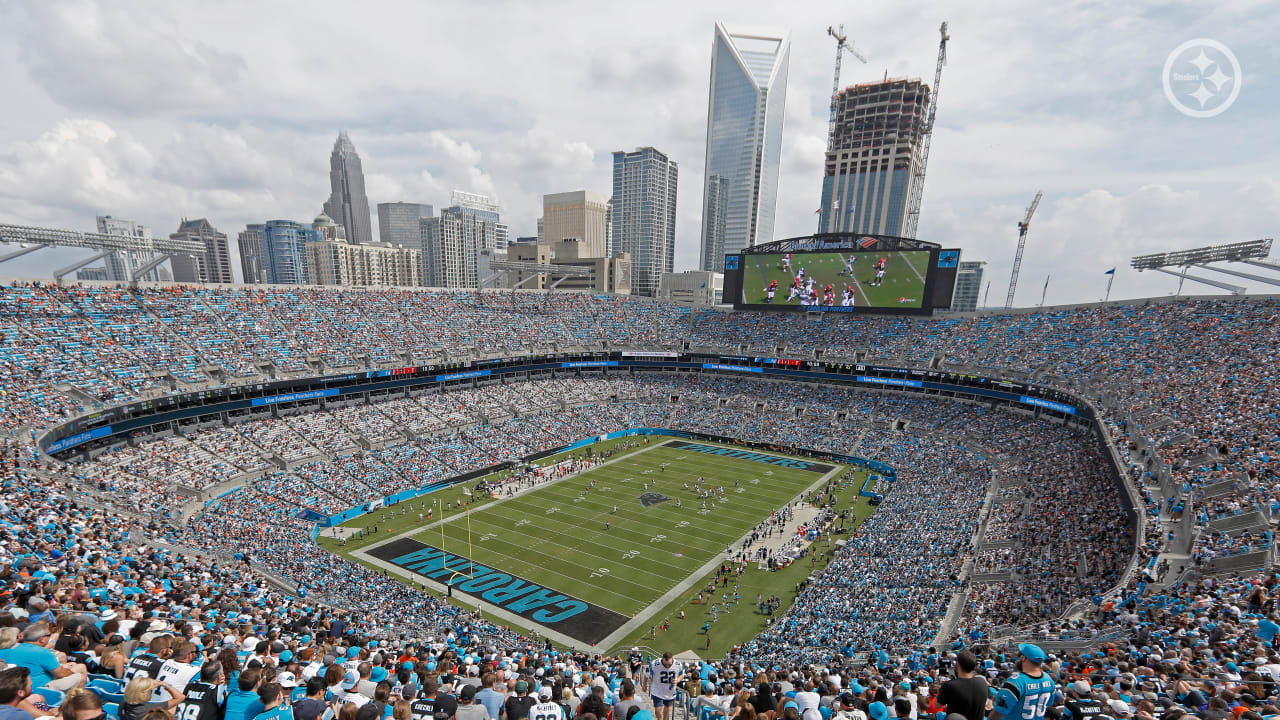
[{"x": 1112, "y": 271}]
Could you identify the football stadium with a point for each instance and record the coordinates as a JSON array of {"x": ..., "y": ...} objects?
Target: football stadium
[
  {"x": 865, "y": 494},
  {"x": 521, "y": 461}
]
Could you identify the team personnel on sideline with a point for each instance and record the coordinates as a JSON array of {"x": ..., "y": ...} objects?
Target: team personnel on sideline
[{"x": 665, "y": 674}]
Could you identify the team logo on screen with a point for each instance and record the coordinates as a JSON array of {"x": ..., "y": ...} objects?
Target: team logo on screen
[
  {"x": 730, "y": 262},
  {"x": 652, "y": 498}
]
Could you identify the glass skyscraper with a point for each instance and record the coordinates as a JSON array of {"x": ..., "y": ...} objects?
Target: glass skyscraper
[
  {"x": 644, "y": 214},
  {"x": 285, "y": 246},
  {"x": 744, "y": 140}
]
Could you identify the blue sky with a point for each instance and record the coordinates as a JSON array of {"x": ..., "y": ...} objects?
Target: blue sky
[{"x": 154, "y": 111}]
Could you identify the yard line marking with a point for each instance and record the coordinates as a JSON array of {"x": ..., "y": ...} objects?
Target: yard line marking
[{"x": 911, "y": 265}]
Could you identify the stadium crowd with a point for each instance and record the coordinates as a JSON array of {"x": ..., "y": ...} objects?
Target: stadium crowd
[{"x": 99, "y": 542}]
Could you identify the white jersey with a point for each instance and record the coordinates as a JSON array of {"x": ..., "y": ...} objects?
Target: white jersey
[
  {"x": 546, "y": 711},
  {"x": 176, "y": 674},
  {"x": 664, "y": 679}
]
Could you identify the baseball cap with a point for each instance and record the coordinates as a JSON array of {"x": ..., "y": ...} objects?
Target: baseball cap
[
  {"x": 1081, "y": 687},
  {"x": 1119, "y": 707},
  {"x": 846, "y": 700},
  {"x": 522, "y": 686},
  {"x": 468, "y": 693},
  {"x": 878, "y": 711},
  {"x": 349, "y": 680},
  {"x": 1032, "y": 653},
  {"x": 287, "y": 679},
  {"x": 544, "y": 692}
]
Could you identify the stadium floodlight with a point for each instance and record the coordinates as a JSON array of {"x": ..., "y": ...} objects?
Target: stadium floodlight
[
  {"x": 1234, "y": 252},
  {"x": 533, "y": 270},
  {"x": 1247, "y": 252},
  {"x": 30, "y": 239}
]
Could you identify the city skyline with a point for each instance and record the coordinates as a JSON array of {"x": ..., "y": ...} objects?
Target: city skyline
[{"x": 235, "y": 127}]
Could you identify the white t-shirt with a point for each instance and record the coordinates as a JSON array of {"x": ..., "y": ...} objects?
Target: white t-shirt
[
  {"x": 808, "y": 704},
  {"x": 664, "y": 679},
  {"x": 546, "y": 711}
]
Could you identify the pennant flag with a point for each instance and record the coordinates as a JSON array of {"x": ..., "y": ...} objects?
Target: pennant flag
[{"x": 1112, "y": 271}]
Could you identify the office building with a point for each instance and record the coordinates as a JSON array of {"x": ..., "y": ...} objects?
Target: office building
[
  {"x": 745, "y": 110},
  {"x": 285, "y": 250},
  {"x": 482, "y": 207},
  {"x": 213, "y": 266},
  {"x": 253, "y": 256},
  {"x": 610, "y": 274},
  {"x": 328, "y": 229},
  {"x": 874, "y": 157},
  {"x": 335, "y": 262},
  {"x": 121, "y": 263},
  {"x": 968, "y": 285},
  {"x": 400, "y": 223},
  {"x": 581, "y": 215},
  {"x": 644, "y": 214},
  {"x": 692, "y": 287},
  {"x": 450, "y": 244},
  {"x": 95, "y": 274},
  {"x": 347, "y": 204}
]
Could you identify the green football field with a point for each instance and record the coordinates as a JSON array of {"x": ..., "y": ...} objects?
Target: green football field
[
  {"x": 902, "y": 286},
  {"x": 659, "y": 537}
]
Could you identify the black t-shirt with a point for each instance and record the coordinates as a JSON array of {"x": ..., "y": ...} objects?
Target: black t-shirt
[
  {"x": 967, "y": 696},
  {"x": 763, "y": 700},
  {"x": 1085, "y": 708},
  {"x": 204, "y": 698},
  {"x": 144, "y": 664},
  {"x": 439, "y": 707},
  {"x": 518, "y": 707}
]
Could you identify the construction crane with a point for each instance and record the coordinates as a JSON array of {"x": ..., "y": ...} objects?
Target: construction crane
[
  {"x": 1022, "y": 243},
  {"x": 917, "y": 187},
  {"x": 842, "y": 46}
]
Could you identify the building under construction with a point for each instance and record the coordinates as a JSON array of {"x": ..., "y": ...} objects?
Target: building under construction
[{"x": 874, "y": 156}]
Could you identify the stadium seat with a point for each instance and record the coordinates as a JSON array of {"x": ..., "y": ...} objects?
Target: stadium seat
[
  {"x": 106, "y": 683},
  {"x": 107, "y": 695},
  {"x": 52, "y": 698},
  {"x": 111, "y": 709}
]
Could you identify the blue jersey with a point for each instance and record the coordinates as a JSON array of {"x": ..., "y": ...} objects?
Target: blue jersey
[{"x": 1024, "y": 697}]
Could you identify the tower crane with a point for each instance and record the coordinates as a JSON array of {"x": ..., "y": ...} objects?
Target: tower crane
[
  {"x": 1022, "y": 243},
  {"x": 917, "y": 187},
  {"x": 842, "y": 46}
]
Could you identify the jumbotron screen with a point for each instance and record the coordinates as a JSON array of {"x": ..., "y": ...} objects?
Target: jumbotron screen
[{"x": 845, "y": 281}]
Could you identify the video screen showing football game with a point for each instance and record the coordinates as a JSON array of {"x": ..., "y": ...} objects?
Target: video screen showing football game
[{"x": 870, "y": 279}]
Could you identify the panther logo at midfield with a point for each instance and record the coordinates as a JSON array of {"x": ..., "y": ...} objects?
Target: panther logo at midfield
[{"x": 652, "y": 498}]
